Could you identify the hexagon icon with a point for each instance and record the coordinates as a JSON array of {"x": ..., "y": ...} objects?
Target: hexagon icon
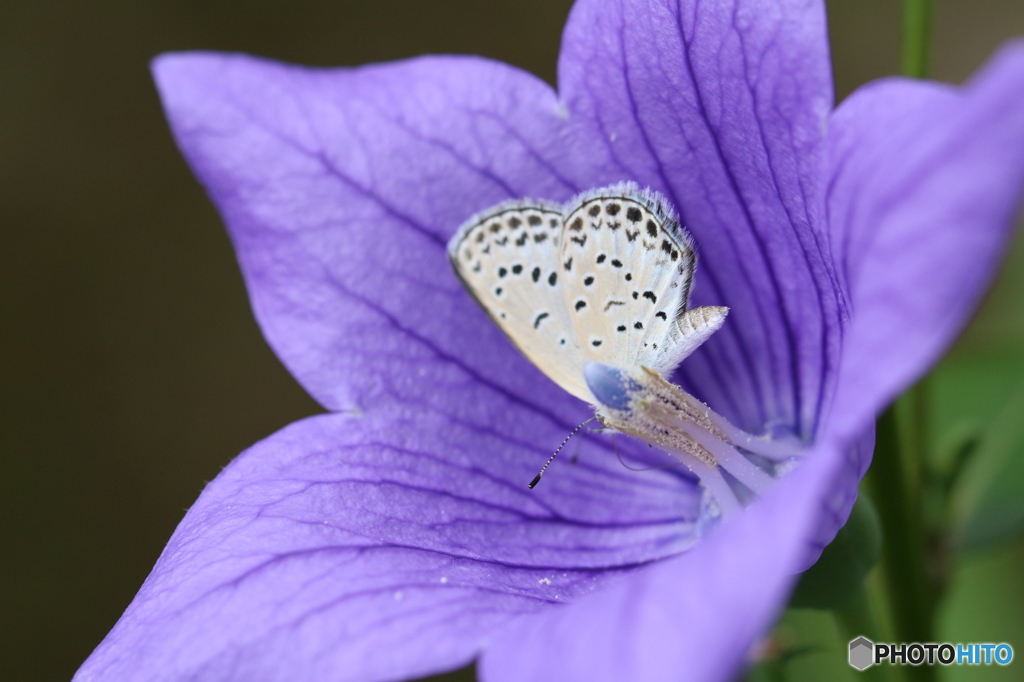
[{"x": 862, "y": 653}]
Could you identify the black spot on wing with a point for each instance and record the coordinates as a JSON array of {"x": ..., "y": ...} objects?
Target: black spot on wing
[{"x": 634, "y": 214}]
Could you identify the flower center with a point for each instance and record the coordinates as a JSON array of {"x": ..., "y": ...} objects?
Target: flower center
[{"x": 647, "y": 406}]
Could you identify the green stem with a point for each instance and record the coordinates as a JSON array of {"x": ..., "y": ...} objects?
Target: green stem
[
  {"x": 900, "y": 465},
  {"x": 904, "y": 555},
  {"x": 856, "y": 618},
  {"x": 912, "y": 414},
  {"x": 916, "y": 36}
]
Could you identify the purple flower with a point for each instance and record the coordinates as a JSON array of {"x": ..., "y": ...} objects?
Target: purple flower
[{"x": 394, "y": 536}]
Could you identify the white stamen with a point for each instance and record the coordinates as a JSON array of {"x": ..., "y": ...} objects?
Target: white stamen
[
  {"x": 712, "y": 479},
  {"x": 646, "y": 405},
  {"x": 775, "y": 450},
  {"x": 727, "y": 456}
]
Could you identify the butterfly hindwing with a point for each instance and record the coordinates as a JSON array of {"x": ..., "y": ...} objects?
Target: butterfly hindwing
[
  {"x": 507, "y": 257},
  {"x": 628, "y": 267}
]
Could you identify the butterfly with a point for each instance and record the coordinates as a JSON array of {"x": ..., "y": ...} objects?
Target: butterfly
[{"x": 596, "y": 294}]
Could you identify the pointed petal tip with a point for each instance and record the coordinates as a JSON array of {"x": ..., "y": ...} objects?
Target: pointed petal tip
[{"x": 166, "y": 64}]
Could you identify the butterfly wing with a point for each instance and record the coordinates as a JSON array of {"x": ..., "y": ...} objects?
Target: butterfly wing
[
  {"x": 628, "y": 268},
  {"x": 507, "y": 258}
]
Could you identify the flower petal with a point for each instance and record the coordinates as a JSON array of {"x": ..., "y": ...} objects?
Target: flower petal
[
  {"x": 722, "y": 106},
  {"x": 340, "y": 188},
  {"x": 343, "y": 548},
  {"x": 925, "y": 183},
  {"x": 697, "y": 613}
]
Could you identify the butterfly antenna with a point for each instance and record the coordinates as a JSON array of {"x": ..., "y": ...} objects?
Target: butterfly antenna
[{"x": 536, "y": 479}]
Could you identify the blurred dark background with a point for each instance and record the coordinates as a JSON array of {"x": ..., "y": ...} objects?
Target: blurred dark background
[{"x": 131, "y": 369}]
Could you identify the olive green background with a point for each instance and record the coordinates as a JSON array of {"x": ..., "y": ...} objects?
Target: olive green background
[{"x": 131, "y": 369}]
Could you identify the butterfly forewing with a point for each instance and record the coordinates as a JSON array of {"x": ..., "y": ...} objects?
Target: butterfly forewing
[
  {"x": 628, "y": 269},
  {"x": 507, "y": 258}
]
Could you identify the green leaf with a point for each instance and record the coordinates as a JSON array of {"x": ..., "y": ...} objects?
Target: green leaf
[{"x": 987, "y": 504}]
